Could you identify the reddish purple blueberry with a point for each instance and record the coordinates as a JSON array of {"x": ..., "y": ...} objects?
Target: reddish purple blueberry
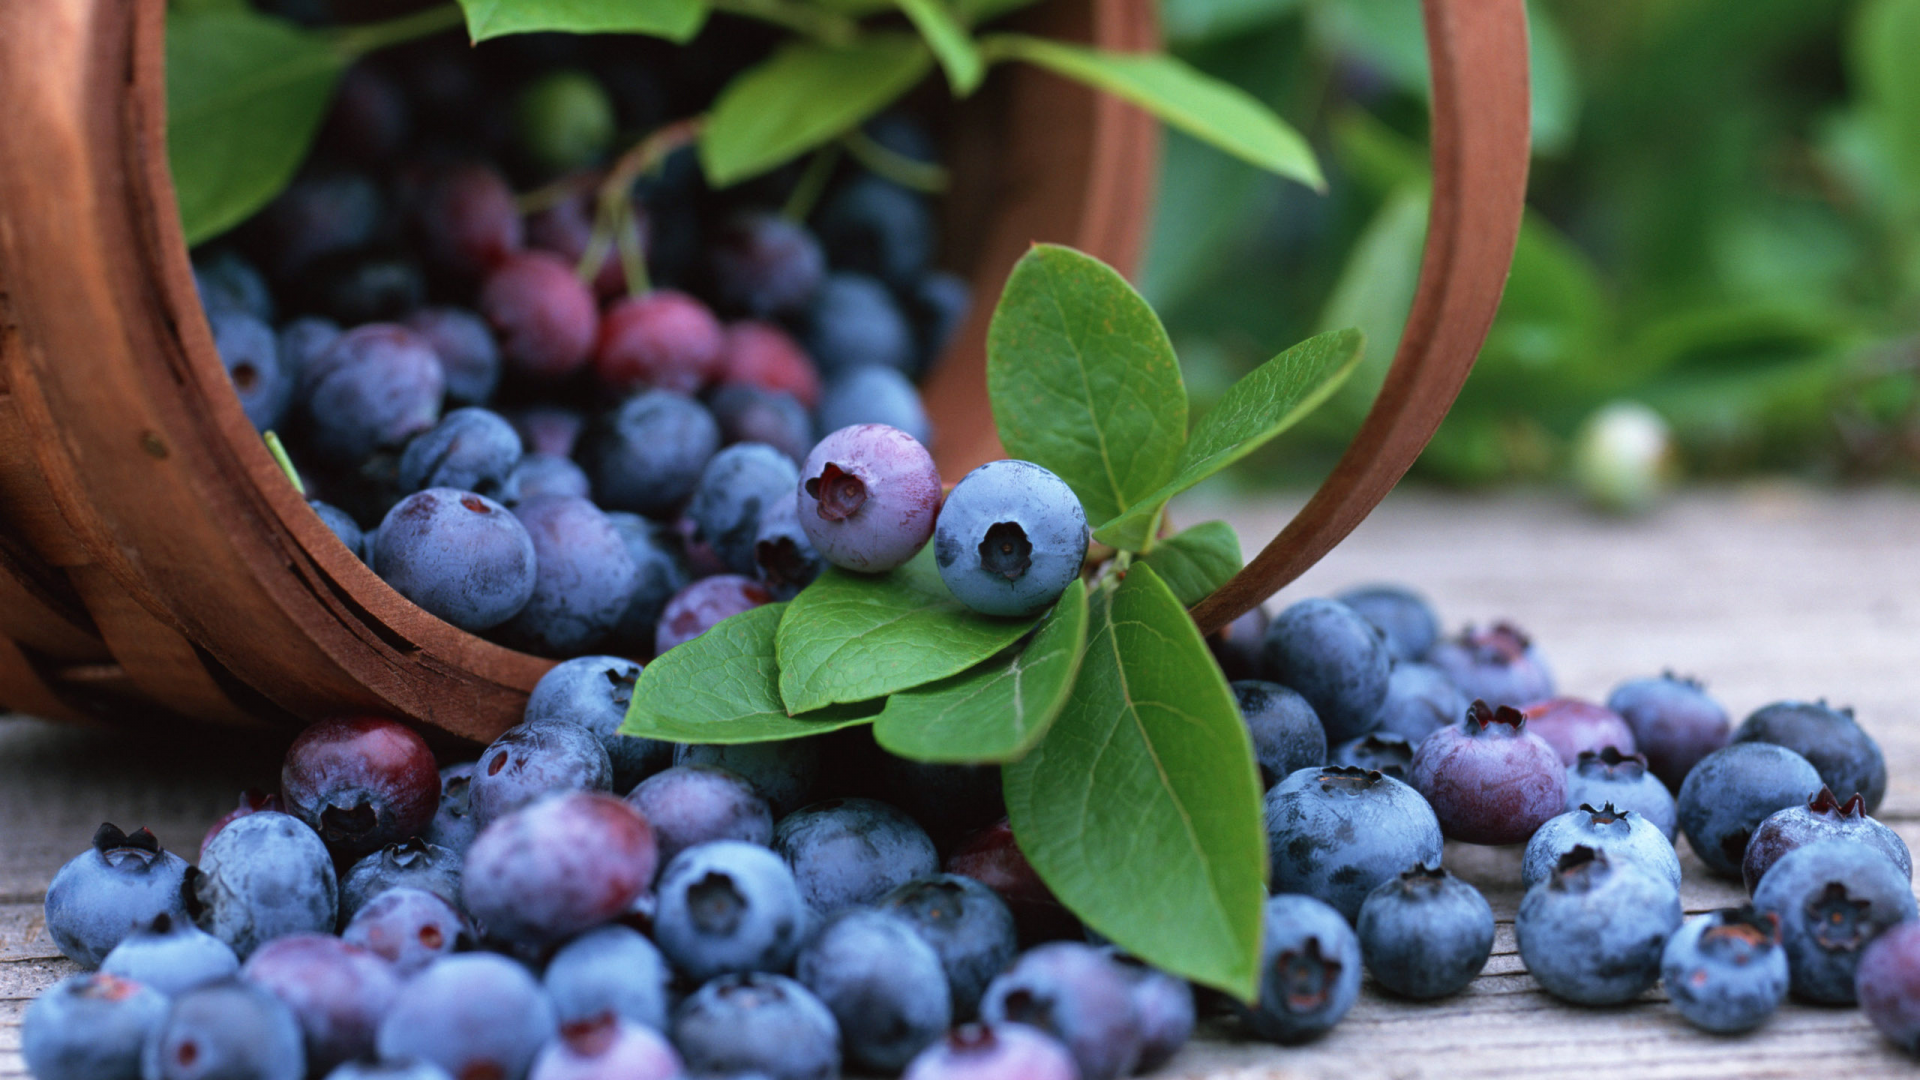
[
  {"x": 1489, "y": 779},
  {"x": 1573, "y": 727},
  {"x": 361, "y": 782},
  {"x": 468, "y": 221},
  {"x": 564, "y": 864},
  {"x": 869, "y": 497},
  {"x": 338, "y": 991},
  {"x": 1674, "y": 723},
  {"x": 696, "y": 804},
  {"x": 665, "y": 340},
  {"x": 545, "y": 318},
  {"x": 1497, "y": 665},
  {"x": 408, "y": 928},
  {"x": 605, "y": 1048},
  {"x": 994, "y": 1052},
  {"x": 763, "y": 355},
  {"x": 702, "y": 605}
]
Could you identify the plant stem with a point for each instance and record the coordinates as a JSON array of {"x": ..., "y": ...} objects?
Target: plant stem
[
  {"x": 893, "y": 165},
  {"x": 633, "y": 259},
  {"x": 812, "y": 184},
  {"x": 817, "y": 23},
  {"x": 360, "y": 40},
  {"x": 613, "y": 214},
  {"x": 279, "y": 453}
]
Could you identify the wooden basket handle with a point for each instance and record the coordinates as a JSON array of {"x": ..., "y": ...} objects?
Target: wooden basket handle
[{"x": 1478, "y": 53}]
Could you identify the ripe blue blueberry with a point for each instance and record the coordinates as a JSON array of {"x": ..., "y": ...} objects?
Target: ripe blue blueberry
[
  {"x": 784, "y": 773},
  {"x": 264, "y": 876},
  {"x": 1824, "y": 817},
  {"x": 90, "y": 1027},
  {"x": 414, "y": 864},
  {"x": 1732, "y": 790},
  {"x": 1335, "y": 659},
  {"x": 1489, "y": 779},
  {"x": 606, "y": 1048},
  {"x": 1592, "y": 933},
  {"x": 1377, "y": 751},
  {"x": 1725, "y": 970},
  {"x": 1623, "y": 780},
  {"x": 172, "y": 956},
  {"x": 748, "y": 413},
  {"x": 409, "y": 928},
  {"x": 251, "y": 355},
  {"x": 872, "y": 394},
  {"x": 583, "y": 577},
  {"x": 556, "y": 867},
  {"x": 1010, "y": 538},
  {"x": 660, "y": 571},
  {"x": 938, "y": 304},
  {"x": 1164, "y": 1007},
  {"x": 252, "y": 801},
  {"x": 1287, "y": 735},
  {"x": 1078, "y": 994},
  {"x": 227, "y": 1029},
  {"x": 968, "y": 926},
  {"x": 338, "y": 991},
  {"x": 1421, "y": 700},
  {"x": 1625, "y": 836},
  {"x": 852, "y": 851},
  {"x": 873, "y": 226},
  {"x": 105, "y": 893},
  {"x": 1846, "y": 757},
  {"x": 868, "y": 497},
  {"x": 470, "y": 449},
  {"x": 1832, "y": 898},
  {"x": 474, "y": 1014},
  {"x": 466, "y": 350},
  {"x": 343, "y": 526},
  {"x": 698, "y": 804},
  {"x": 883, "y": 984},
  {"x": 994, "y": 1052},
  {"x": 853, "y": 321},
  {"x": 594, "y": 692},
  {"x": 1497, "y": 665},
  {"x": 1889, "y": 993},
  {"x": 1236, "y": 646},
  {"x": 406, "y": 1069},
  {"x": 729, "y": 906},
  {"x": 361, "y": 782},
  {"x": 1309, "y": 971},
  {"x": 373, "y": 388},
  {"x": 227, "y": 282},
  {"x": 615, "y": 970},
  {"x": 454, "y": 824},
  {"x": 460, "y": 556},
  {"x": 540, "y": 474},
  {"x": 784, "y": 558},
  {"x": 1336, "y": 834},
  {"x": 1573, "y": 727},
  {"x": 757, "y": 1024},
  {"x": 763, "y": 264},
  {"x": 647, "y": 454},
  {"x": 1403, "y": 616},
  {"x": 736, "y": 487},
  {"x": 301, "y": 341},
  {"x": 1674, "y": 723},
  {"x": 531, "y": 760},
  {"x": 1425, "y": 934}
]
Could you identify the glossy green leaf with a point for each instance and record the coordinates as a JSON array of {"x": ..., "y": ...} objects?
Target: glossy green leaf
[
  {"x": 675, "y": 20},
  {"x": 853, "y": 637},
  {"x": 1196, "y": 561},
  {"x": 724, "y": 687},
  {"x": 998, "y": 710},
  {"x": 804, "y": 96},
  {"x": 950, "y": 42},
  {"x": 1272, "y": 398},
  {"x": 1179, "y": 94},
  {"x": 1084, "y": 381},
  {"x": 245, "y": 95},
  {"x": 1141, "y": 807}
]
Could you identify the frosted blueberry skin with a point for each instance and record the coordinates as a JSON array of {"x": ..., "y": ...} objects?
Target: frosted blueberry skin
[
  {"x": 454, "y": 824},
  {"x": 470, "y": 449},
  {"x": 338, "y": 991},
  {"x": 1573, "y": 727},
  {"x": 762, "y": 264},
  {"x": 615, "y": 970},
  {"x": 1403, "y": 616},
  {"x": 784, "y": 773},
  {"x": 342, "y": 525},
  {"x": 466, "y": 349},
  {"x": 373, "y": 388},
  {"x": 1010, "y": 538},
  {"x": 1674, "y": 722},
  {"x": 1888, "y": 984},
  {"x": 873, "y": 394},
  {"x": 172, "y": 956},
  {"x": 1832, "y": 898},
  {"x": 748, "y": 413},
  {"x": 1498, "y": 665},
  {"x": 647, "y": 454},
  {"x": 994, "y": 1052},
  {"x": 1336, "y": 834},
  {"x": 540, "y": 474},
  {"x": 1625, "y": 836},
  {"x": 1725, "y": 971},
  {"x": 251, "y": 355},
  {"x": 1287, "y": 735},
  {"x": 101, "y": 895},
  {"x": 1236, "y": 646},
  {"x": 1846, "y": 757},
  {"x": 704, "y": 605},
  {"x": 969, "y": 927},
  {"x": 846, "y": 852},
  {"x": 252, "y": 801},
  {"x": 1823, "y": 818},
  {"x": 227, "y": 1029},
  {"x": 1078, "y": 994},
  {"x": 529, "y": 761},
  {"x": 1623, "y": 780},
  {"x": 1489, "y": 779},
  {"x": 784, "y": 558},
  {"x": 868, "y": 497},
  {"x": 660, "y": 571},
  {"x": 361, "y": 782},
  {"x": 604, "y": 1047},
  {"x": 1379, "y": 751},
  {"x": 1309, "y": 971},
  {"x": 697, "y": 804},
  {"x": 1731, "y": 791},
  {"x": 1421, "y": 700},
  {"x": 757, "y": 1023},
  {"x": 1593, "y": 932},
  {"x": 265, "y": 876},
  {"x": 413, "y": 864},
  {"x": 557, "y": 867},
  {"x": 594, "y": 692},
  {"x": 736, "y": 487},
  {"x": 468, "y": 1014},
  {"x": 729, "y": 906},
  {"x": 227, "y": 282},
  {"x": 583, "y": 578},
  {"x": 853, "y": 321},
  {"x": 90, "y": 1027},
  {"x": 409, "y": 928},
  {"x": 1425, "y": 934},
  {"x": 1335, "y": 659},
  {"x": 461, "y": 556},
  {"x": 1164, "y": 1007},
  {"x": 884, "y": 985}
]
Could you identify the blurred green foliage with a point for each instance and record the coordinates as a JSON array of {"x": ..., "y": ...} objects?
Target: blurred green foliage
[{"x": 1724, "y": 225}]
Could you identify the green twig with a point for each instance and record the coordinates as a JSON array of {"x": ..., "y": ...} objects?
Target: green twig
[
  {"x": 360, "y": 40},
  {"x": 893, "y": 165},
  {"x": 613, "y": 214},
  {"x": 812, "y": 184},
  {"x": 801, "y": 18},
  {"x": 633, "y": 257},
  {"x": 279, "y": 453}
]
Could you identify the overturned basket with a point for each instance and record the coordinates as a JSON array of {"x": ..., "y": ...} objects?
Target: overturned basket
[{"x": 154, "y": 561}]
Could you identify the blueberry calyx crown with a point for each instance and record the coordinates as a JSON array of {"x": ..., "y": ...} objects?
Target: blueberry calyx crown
[
  {"x": 1828, "y": 805},
  {"x": 1740, "y": 931},
  {"x": 838, "y": 494},
  {"x": 342, "y": 823},
  {"x": 1307, "y": 977},
  {"x": 1838, "y": 922},
  {"x": 1692, "y": 682},
  {"x": 108, "y": 837},
  {"x": 1006, "y": 551},
  {"x": 1608, "y": 761},
  {"x": 1482, "y": 717},
  {"x": 972, "y": 1039},
  {"x": 620, "y": 682},
  {"x": 1422, "y": 880},
  {"x": 780, "y": 561},
  {"x": 1579, "y": 869},
  {"x": 1348, "y": 778},
  {"x": 1606, "y": 814},
  {"x": 407, "y": 852},
  {"x": 254, "y": 800},
  {"x": 1502, "y": 643},
  {"x": 714, "y": 904}
]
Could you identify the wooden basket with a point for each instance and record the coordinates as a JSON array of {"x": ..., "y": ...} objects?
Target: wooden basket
[{"x": 154, "y": 562}]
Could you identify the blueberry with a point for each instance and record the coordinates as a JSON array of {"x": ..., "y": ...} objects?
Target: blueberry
[
  {"x": 1489, "y": 779},
  {"x": 1885, "y": 983},
  {"x": 968, "y": 926},
  {"x": 531, "y": 760},
  {"x": 1421, "y": 700},
  {"x": 373, "y": 388},
  {"x": 938, "y": 304},
  {"x": 736, "y": 486},
  {"x": 102, "y": 895},
  {"x": 549, "y": 429},
  {"x": 333, "y": 213},
  {"x": 413, "y": 864},
  {"x": 872, "y": 394},
  {"x": 1832, "y": 897},
  {"x": 459, "y": 555},
  {"x": 265, "y": 876},
  {"x": 1626, "y": 837},
  {"x": 558, "y": 866},
  {"x": 703, "y": 605},
  {"x": 454, "y": 824},
  {"x": 469, "y": 449},
  {"x": 566, "y": 229},
  {"x": 582, "y": 580},
  {"x": 362, "y": 286},
  {"x": 747, "y": 413},
  {"x": 757, "y": 1024},
  {"x": 873, "y": 226},
  {"x": 993, "y": 857},
  {"x": 1498, "y": 665},
  {"x": 338, "y": 992},
  {"x": 1335, "y": 659},
  {"x": 1376, "y": 751},
  {"x": 1573, "y": 727},
  {"x": 1404, "y": 616},
  {"x": 784, "y": 558},
  {"x": 1592, "y": 933},
  {"x": 342, "y": 525},
  {"x": 610, "y": 970},
  {"x": 604, "y": 1048},
  {"x": 698, "y": 804},
  {"x": 868, "y": 497},
  {"x": 172, "y": 956},
  {"x": 1846, "y": 757},
  {"x": 729, "y": 906},
  {"x": 1674, "y": 723},
  {"x": 1164, "y": 1007},
  {"x": 466, "y": 350},
  {"x": 227, "y": 282},
  {"x": 545, "y": 318},
  {"x": 1336, "y": 834},
  {"x": 90, "y": 1027},
  {"x": 765, "y": 357},
  {"x": 301, "y": 343},
  {"x": 1079, "y": 995},
  {"x": 409, "y": 928},
  {"x": 1823, "y": 818},
  {"x": 949, "y": 801},
  {"x": 1009, "y": 538},
  {"x": 361, "y": 782},
  {"x": 1725, "y": 970},
  {"x": 646, "y": 455},
  {"x": 1425, "y": 934},
  {"x": 252, "y": 801},
  {"x": 1731, "y": 791},
  {"x": 1623, "y": 780},
  {"x": 229, "y": 1029},
  {"x": 564, "y": 120},
  {"x": 405, "y": 1069},
  {"x": 1236, "y": 646},
  {"x": 852, "y": 851},
  {"x": 1309, "y": 970},
  {"x": 1287, "y": 734},
  {"x": 765, "y": 265},
  {"x": 474, "y": 1015},
  {"x": 663, "y": 339},
  {"x": 545, "y": 474},
  {"x": 467, "y": 220},
  {"x": 853, "y": 322},
  {"x": 660, "y": 572},
  {"x": 594, "y": 692},
  {"x": 994, "y": 1052},
  {"x": 884, "y": 985},
  {"x": 251, "y": 356},
  {"x": 784, "y": 773}
]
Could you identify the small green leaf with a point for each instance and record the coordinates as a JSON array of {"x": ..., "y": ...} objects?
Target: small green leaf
[
  {"x": 1141, "y": 807},
  {"x": 805, "y": 95},
  {"x": 852, "y": 637},
  {"x": 1084, "y": 381},
  {"x": 675, "y": 20},
  {"x": 950, "y": 42},
  {"x": 998, "y": 710},
  {"x": 1196, "y": 561},
  {"x": 1179, "y": 94},
  {"x": 724, "y": 687},
  {"x": 975, "y": 12},
  {"x": 1264, "y": 404},
  {"x": 245, "y": 95}
]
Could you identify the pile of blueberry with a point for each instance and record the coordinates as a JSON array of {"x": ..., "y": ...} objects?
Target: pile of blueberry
[{"x": 553, "y": 418}]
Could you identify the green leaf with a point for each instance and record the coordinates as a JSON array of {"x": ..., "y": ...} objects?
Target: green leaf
[
  {"x": 805, "y": 95},
  {"x": 724, "y": 687},
  {"x": 1271, "y": 399},
  {"x": 997, "y": 711},
  {"x": 1141, "y": 807},
  {"x": 245, "y": 95},
  {"x": 675, "y": 20},
  {"x": 1084, "y": 381},
  {"x": 950, "y": 42},
  {"x": 1375, "y": 291},
  {"x": 975, "y": 12},
  {"x": 852, "y": 637},
  {"x": 1196, "y": 561},
  {"x": 1199, "y": 104}
]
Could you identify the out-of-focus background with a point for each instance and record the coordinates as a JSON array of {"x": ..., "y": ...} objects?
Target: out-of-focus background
[{"x": 1719, "y": 271}]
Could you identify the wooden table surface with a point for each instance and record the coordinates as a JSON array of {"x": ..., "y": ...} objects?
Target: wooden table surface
[{"x": 1766, "y": 591}]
